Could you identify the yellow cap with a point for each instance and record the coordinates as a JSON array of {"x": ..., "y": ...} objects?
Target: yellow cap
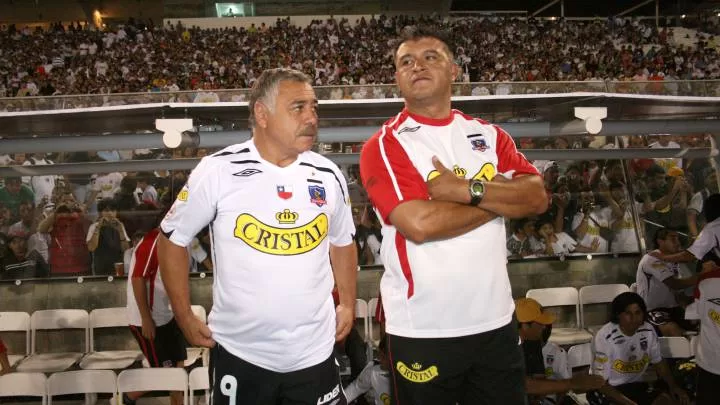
[
  {"x": 529, "y": 310},
  {"x": 675, "y": 172}
]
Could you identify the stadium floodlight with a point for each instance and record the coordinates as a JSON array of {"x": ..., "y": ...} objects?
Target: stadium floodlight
[
  {"x": 592, "y": 117},
  {"x": 173, "y": 129}
]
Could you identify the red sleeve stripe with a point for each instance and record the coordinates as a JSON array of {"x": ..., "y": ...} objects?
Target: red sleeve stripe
[{"x": 390, "y": 171}]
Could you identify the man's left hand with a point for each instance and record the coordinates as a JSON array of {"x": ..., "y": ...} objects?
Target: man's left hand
[
  {"x": 446, "y": 186},
  {"x": 344, "y": 321}
]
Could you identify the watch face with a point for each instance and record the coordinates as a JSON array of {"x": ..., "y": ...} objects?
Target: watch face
[{"x": 477, "y": 188}]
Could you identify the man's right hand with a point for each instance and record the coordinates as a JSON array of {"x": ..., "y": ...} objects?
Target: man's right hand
[
  {"x": 586, "y": 382},
  {"x": 148, "y": 328},
  {"x": 195, "y": 330}
]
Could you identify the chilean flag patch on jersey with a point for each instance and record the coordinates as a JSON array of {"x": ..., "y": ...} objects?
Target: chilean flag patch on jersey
[{"x": 284, "y": 192}]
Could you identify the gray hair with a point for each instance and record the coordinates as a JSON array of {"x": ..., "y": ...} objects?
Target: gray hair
[{"x": 265, "y": 88}]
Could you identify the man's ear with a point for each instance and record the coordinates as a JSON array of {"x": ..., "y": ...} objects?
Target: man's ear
[
  {"x": 262, "y": 114},
  {"x": 456, "y": 72}
]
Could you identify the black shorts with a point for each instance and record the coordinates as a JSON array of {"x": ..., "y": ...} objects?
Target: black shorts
[
  {"x": 234, "y": 381},
  {"x": 661, "y": 316},
  {"x": 486, "y": 368},
  {"x": 707, "y": 388},
  {"x": 166, "y": 349},
  {"x": 641, "y": 393}
]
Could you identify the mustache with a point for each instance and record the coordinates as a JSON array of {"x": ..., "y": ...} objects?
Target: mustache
[{"x": 309, "y": 131}]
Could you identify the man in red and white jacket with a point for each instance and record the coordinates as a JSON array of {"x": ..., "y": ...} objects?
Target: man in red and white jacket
[{"x": 441, "y": 183}]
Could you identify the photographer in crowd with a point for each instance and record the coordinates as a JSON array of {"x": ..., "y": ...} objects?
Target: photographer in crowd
[
  {"x": 67, "y": 227},
  {"x": 107, "y": 239}
]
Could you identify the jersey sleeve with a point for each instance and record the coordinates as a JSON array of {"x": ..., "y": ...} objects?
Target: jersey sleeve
[
  {"x": 705, "y": 242},
  {"x": 388, "y": 175},
  {"x": 601, "y": 357},
  {"x": 342, "y": 227},
  {"x": 360, "y": 385},
  {"x": 511, "y": 162},
  {"x": 146, "y": 262},
  {"x": 696, "y": 202},
  {"x": 658, "y": 269},
  {"x": 195, "y": 206}
]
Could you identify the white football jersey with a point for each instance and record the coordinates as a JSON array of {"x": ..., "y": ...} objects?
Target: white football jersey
[
  {"x": 372, "y": 378},
  {"x": 650, "y": 275},
  {"x": 622, "y": 359},
  {"x": 271, "y": 230},
  {"x": 707, "y": 297},
  {"x": 556, "y": 364},
  {"x": 472, "y": 292}
]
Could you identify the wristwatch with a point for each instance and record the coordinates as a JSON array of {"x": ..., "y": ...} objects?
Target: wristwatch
[{"x": 477, "y": 191}]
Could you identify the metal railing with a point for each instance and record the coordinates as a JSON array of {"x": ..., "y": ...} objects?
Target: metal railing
[{"x": 700, "y": 88}]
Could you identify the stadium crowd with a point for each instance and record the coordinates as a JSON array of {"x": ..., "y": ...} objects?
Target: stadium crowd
[
  {"x": 134, "y": 57},
  {"x": 47, "y": 223}
]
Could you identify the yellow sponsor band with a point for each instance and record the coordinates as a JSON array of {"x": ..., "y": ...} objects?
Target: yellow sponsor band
[
  {"x": 714, "y": 316},
  {"x": 281, "y": 241},
  {"x": 417, "y": 375},
  {"x": 631, "y": 367}
]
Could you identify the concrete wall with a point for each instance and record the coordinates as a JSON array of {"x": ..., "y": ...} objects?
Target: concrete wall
[{"x": 100, "y": 293}]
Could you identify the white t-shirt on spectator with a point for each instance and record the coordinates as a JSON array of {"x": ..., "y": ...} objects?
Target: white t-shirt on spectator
[
  {"x": 670, "y": 162},
  {"x": 603, "y": 216},
  {"x": 650, "y": 275},
  {"x": 108, "y": 184},
  {"x": 42, "y": 186},
  {"x": 622, "y": 359},
  {"x": 564, "y": 244},
  {"x": 625, "y": 237}
]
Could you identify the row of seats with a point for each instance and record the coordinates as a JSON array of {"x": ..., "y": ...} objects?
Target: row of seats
[
  {"x": 570, "y": 296},
  {"x": 93, "y": 382},
  {"x": 78, "y": 319}
]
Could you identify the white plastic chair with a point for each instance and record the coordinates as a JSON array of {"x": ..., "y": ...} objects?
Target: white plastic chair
[
  {"x": 109, "y": 359},
  {"x": 199, "y": 379},
  {"x": 153, "y": 379},
  {"x": 16, "y": 322},
  {"x": 580, "y": 355},
  {"x": 633, "y": 287},
  {"x": 558, "y": 297},
  {"x": 598, "y": 294},
  {"x": 372, "y": 308},
  {"x": 675, "y": 347},
  {"x": 54, "y": 319},
  {"x": 81, "y": 382},
  {"x": 25, "y": 385},
  {"x": 361, "y": 312}
]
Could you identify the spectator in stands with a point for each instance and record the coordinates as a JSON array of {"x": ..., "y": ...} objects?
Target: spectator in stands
[
  {"x": 437, "y": 222},
  {"x": 41, "y": 186},
  {"x": 556, "y": 243},
  {"x": 13, "y": 194},
  {"x": 623, "y": 221},
  {"x": 373, "y": 379},
  {"x": 27, "y": 224},
  {"x": 705, "y": 247},
  {"x": 67, "y": 227},
  {"x": 695, "y": 215},
  {"x": 588, "y": 223},
  {"x": 669, "y": 193},
  {"x": 659, "y": 284},
  {"x": 18, "y": 263},
  {"x": 546, "y": 368},
  {"x": 107, "y": 239},
  {"x": 623, "y": 350},
  {"x": 518, "y": 244}
]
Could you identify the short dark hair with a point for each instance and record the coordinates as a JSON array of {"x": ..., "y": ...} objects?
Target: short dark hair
[
  {"x": 416, "y": 32},
  {"x": 624, "y": 300},
  {"x": 711, "y": 207},
  {"x": 662, "y": 234},
  {"x": 107, "y": 204}
]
